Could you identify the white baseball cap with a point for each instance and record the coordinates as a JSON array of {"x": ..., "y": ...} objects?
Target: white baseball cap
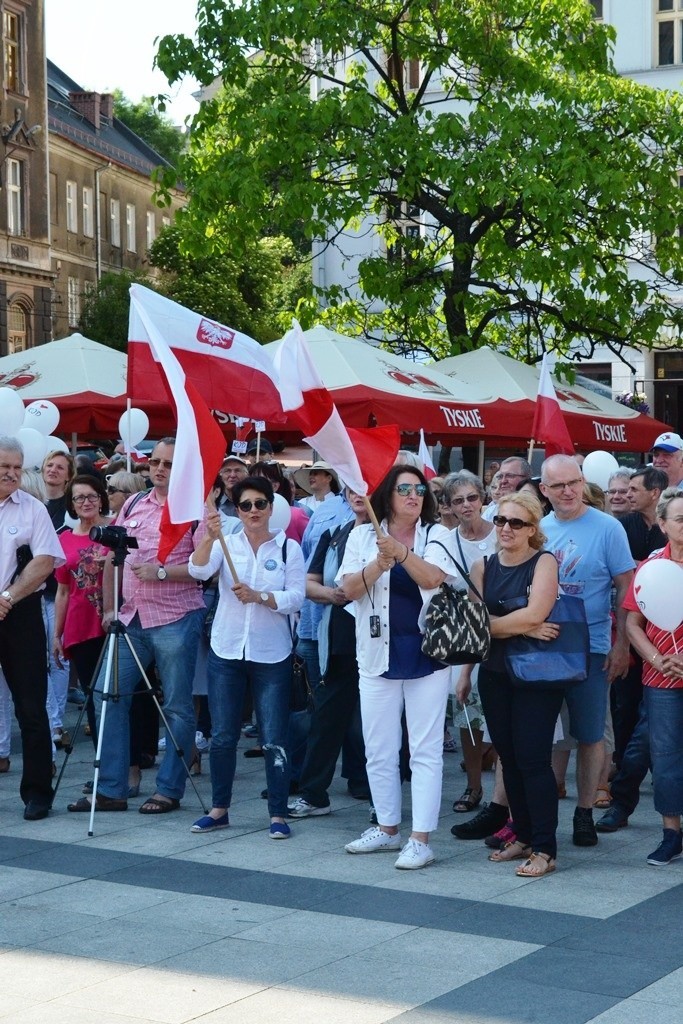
[{"x": 668, "y": 442}]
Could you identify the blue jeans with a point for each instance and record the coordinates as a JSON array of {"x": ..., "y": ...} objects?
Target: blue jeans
[
  {"x": 270, "y": 688},
  {"x": 665, "y": 717},
  {"x": 173, "y": 648},
  {"x": 635, "y": 764}
]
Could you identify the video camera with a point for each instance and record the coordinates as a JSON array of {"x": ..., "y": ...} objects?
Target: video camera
[{"x": 114, "y": 537}]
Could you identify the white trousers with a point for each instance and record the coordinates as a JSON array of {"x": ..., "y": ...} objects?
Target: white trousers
[{"x": 382, "y": 704}]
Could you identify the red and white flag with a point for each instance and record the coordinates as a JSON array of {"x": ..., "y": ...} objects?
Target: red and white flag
[
  {"x": 549, "y": 428},
  {"x": 200, "y": 445},
  {"x": 362, "y": 457},
  {"x": 425, "y": 458},
  {"x": 231, "y": 371}
]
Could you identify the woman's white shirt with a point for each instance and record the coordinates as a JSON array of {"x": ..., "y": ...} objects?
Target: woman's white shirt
[
  {"x": 254, "y": 631},
  {"x": 361, "y": 548}
]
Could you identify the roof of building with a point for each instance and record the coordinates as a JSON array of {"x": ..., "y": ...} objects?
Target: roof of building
[{"x": 113, "y": 140}]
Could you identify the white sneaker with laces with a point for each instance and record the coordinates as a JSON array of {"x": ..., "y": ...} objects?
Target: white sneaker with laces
[
  {"x": 374, "y": 840},
  {"x": 201, "y": 742},
  {"x": 415, "y": 855},
  {"x": 162, "y": 744},
  {"x": 302, "y": 809}
]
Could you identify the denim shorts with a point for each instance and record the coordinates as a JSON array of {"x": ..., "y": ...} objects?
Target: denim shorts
[
  {"x": 587, "y": 703},
  {"x": 665, "y": 718}
]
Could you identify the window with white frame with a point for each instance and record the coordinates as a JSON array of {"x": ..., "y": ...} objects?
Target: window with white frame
[
  {"x": 17, "y": 329},
  {"x": 115, "y": 222},
  {"x": 11, "y": 45},
  {"x": 151, "y": 228},
  {"x": 88, "y": 212},
  {"x": 73, "y": 301},
  {"x": 71, "y": 208},
  {"x": 16, "y": 205},
  {"x": 130, "y": 228},
  {"x": 668, "y": 32}
]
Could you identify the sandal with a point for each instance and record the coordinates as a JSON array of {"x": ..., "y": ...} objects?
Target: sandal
[
  {"x": 468, "y": 801},
  {"x": 561, "y": 791},
  {"x": 538, "y": 865},
  {"x": 159, "y": 805},
  {"x": 603, "y": 798},
  {"x": 516, "y": 850}
]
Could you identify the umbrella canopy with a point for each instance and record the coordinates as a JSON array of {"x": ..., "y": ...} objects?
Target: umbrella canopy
[
  {"x": 85, "y": 380},
  {"x": 594, "y": 422},
  {"x": 371, "y": 387}
]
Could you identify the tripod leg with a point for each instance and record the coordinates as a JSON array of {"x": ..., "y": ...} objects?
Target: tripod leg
[
  {"x": 89, "y": 695},
  {"x": 111, "y": 653}
]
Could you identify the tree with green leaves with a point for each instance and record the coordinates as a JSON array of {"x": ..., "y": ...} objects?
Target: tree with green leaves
[
  {"x": 153, "y": 127},
  {"x": 104, "y": 311},
  {"x": 512, "y": 188}
]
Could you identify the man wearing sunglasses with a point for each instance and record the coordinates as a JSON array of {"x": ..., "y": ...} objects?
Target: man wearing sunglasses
[
  {"x": 162, "y": 609},
  {"x": 512, "y": 473},
  {"x": 593, "y": 555}
]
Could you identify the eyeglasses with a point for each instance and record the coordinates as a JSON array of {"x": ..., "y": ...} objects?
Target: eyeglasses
[
  {"x": 260, "y": 504},
  {"x": 510, "y": 476},
  {"x": 514, "y": 524},
  {"x": 83, "y": 498},
  {"x": 469, "y": 498},
  {"x": 616, "y": 490},
  {"x": 405, "y": 490},
  {"x": 115, "y": 490},
  {"x": 155, "y": 463},
  {"x": 567, "y": 483}
]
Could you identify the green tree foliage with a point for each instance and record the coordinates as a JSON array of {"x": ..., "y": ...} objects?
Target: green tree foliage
[
  {"x": 548, "y": 185},
  {"x": 104, "y": 313},
  {"x": 157, "y": 130}
]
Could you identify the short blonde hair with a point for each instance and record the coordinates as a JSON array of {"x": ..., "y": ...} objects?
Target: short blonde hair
[{"x": 532, "y": 506}]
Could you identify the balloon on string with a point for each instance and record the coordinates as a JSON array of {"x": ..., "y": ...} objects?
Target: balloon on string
[
  {"x": 11, "y": 412},
  {"x": 281, "y": 514},
  {"x": 33, "y": 443},
  {"x": 133, "y": 427},
  {"x": 598, "y": 468},
  {"x": 55, "y": 444},
  {"x": 658, "y": 588},
  {"x": 42, "y": 416}
]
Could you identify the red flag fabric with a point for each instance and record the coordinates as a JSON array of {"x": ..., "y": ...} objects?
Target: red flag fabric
[
  {"x": 200, "y": 445},
  {"x": 425, "y": 458},
  {"x": 549, "y": 427}
]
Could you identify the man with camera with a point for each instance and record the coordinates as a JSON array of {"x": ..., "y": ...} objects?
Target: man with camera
[
  {"x": 162, "y": 611},
  {"x": 29, "y": 551}
]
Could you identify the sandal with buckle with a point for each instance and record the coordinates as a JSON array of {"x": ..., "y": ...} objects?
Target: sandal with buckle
[
  {"x": 470, "y": 800},
  {"x": 515, "y": 850},
  {"x": 159, "y": 805},
  {"x": 603, "y": 798},
  {"x": 537, "y": 866}
]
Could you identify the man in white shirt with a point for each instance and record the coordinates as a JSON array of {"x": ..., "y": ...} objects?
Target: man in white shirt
[{"x": 510, "y": 475}]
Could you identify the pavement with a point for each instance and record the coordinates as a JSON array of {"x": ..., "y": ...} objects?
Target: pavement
[{"x": 146, "y": 922}]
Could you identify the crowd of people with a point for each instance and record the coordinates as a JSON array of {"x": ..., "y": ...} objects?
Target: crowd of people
[{"x": 217, "y": 628}]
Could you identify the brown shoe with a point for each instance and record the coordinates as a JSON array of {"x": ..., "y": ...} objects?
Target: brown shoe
[
  {"x": 102, "y": 803},
  {"x": 4, "y": 765}
]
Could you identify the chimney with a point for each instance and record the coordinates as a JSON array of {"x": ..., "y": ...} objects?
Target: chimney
[
  {"x": 88, "y": 105},
  {"x": 107, "y": 105}
]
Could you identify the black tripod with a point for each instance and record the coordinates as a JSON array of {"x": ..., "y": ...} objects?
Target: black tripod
[{"x": 110, "y": 686}]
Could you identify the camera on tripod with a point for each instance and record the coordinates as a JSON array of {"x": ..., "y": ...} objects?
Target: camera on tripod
[{"x": 114, "y": 537}]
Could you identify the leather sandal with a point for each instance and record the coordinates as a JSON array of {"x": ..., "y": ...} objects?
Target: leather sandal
[
  {"x": 514, "y": 850},
  {"x": 102, "y": 803},
  {"x": 603, "y": 798},
  {"x": 159, "y": 805},
  {"x": 537, "y": 866},
  {"x": 468, "y": 801}
]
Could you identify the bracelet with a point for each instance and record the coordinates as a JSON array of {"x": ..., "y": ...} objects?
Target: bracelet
[
  {"x": 402, "y": 560},
  {"x": 654, "y": 658}
]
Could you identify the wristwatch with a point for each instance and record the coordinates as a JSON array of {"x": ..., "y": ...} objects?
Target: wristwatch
[
  {"x": 8, "y": 597},
  {"x": 161, "y": 573},
  {"x": 264, "y": 597}
]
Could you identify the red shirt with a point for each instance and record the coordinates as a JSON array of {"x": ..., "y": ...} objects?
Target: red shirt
[{"x": 664, "y": 640}]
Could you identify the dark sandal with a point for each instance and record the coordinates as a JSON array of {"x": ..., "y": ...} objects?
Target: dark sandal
[
  {"x": 159, "y": 805},
  {"x": 468, "y": 801}
]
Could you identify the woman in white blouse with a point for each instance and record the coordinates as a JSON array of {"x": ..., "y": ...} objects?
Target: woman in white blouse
[
  {"x": 390, "y": 579},
  {"x": 250, "y": 641}
]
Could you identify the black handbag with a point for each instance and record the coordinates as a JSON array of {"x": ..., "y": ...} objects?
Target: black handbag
[
  {"x": 555, "y": 664},
  {"x": 300, "y": 695},
  {"x": 457, "y": 630}
]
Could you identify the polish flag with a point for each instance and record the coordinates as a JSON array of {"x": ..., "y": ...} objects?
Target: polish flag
[
  {"x": 231, "y": 371},
  {"x": 549, "y": 428},
  {"x": 361, "y": 457},
  {"x": 425, "y": 458},
  {"x": 200, "y": 445}
]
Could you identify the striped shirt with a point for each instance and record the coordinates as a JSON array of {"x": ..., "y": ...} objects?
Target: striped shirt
[{"x": 664, "y": 640}]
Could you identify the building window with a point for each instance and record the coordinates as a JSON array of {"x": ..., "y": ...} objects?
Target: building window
[
  {"x": 88, "y": 212},
  {"x": 71, "y": 209},
  {"x": 15, "y": 197},
  {"x": 407, "y": 220},
  {"x": 130, "y": 227},
  {"x": 17, "y": 329},
  {"x": 597, "y": 9},
  {"x": 151, "y": 228},
  {"x": 165, "y": 222},
  {"x": 115, "y": 222},
  {"x": 669, "y": 32},
  {"x": 73, "y": 300},
  {"x": 407, "y": 72},
  {"x": 11, "y": 41}
]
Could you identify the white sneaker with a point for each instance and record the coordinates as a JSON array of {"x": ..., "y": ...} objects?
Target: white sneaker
[
  {"x": 201, "y": 742},
  {"x": 302, "y": 809},
  {"x": 415, "y": 855},
  {"x": 374, "y": 840},
  {"x": 162, "y": 744}
]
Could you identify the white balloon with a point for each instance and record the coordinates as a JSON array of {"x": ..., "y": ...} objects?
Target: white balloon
[
  {"x": 281, "y": 514},
  {"x": 33, "y": 443},
  {"x": 133, "y": 427},
  {"x": 658, "y": 589},
  {"x": 42, "y": 416},
  {"x": 598, "y": 468},
  {"x": 55, "y": 444},
  {"x": 11, "y": 412}
]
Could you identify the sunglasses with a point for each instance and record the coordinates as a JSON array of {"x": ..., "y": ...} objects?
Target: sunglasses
[
  {"x": 83, "y": 498},
  {"x": 261, "y": 504},
  {"x": 616, "y": 490},
  {"x": 405, "y": 490},
  {"x": 514, "y": 524},
  {"x": 155, "y": 463},
  {"x": 469, "y": 498}
]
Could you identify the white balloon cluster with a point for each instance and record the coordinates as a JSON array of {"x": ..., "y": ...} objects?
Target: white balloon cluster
[{"x": 31, "y": 425}]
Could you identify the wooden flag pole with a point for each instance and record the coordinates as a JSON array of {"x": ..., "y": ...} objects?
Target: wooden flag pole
[
  {"x": 371, "y": 516},
  {"x": 531, "y": 450},
  {"x": 221, "y": 540}
]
